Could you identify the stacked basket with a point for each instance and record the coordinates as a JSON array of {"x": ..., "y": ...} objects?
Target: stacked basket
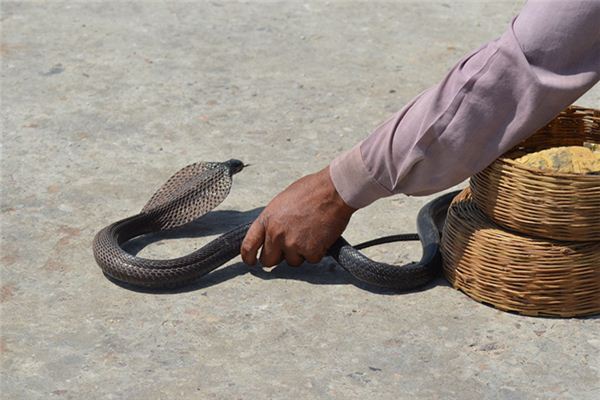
[{"x": 527, "y": 240}]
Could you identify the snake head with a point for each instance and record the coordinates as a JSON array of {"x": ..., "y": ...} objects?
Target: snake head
[{"x": 235, "y": 166}]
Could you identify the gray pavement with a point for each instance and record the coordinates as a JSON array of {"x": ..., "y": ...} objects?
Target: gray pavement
[{"x": 102, "y": 101}]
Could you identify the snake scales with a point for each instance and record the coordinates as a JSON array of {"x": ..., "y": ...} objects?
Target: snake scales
[{"x": 198, "y": 188}]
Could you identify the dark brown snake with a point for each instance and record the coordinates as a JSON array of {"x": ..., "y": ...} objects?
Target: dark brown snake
[{"x": 197, "y": 189}]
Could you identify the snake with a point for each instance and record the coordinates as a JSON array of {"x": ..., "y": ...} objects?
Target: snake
[{"x": 197, "y": 189}]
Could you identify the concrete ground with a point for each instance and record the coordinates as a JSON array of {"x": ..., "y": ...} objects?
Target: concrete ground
[{"x": 102, "y": 101}]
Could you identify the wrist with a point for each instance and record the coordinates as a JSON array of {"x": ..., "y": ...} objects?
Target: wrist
[{"x": 344, "y": 208}]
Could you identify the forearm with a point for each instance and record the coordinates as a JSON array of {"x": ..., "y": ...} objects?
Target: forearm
[{"x": 490, "y": 101}]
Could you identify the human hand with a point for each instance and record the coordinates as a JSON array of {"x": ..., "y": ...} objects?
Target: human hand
[{"x": 300, "y": 223}]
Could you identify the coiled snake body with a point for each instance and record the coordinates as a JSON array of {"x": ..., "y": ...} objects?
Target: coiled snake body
[{"x": 198, "y": 188}]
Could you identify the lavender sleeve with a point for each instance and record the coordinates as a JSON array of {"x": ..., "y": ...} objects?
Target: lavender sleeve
[{"x": 488, "y": 102}]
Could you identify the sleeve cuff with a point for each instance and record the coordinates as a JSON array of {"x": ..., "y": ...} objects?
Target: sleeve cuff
[{"x": 353, "y": 181}]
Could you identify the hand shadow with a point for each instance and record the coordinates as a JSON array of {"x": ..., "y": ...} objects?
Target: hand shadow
[{"x": 329, "y": 272}]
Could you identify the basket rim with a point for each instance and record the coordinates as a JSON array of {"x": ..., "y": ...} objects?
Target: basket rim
[{"x": 571, "y": 111}]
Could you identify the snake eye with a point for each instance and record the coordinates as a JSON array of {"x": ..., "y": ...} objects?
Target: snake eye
[{"x": 235, "y": 166}]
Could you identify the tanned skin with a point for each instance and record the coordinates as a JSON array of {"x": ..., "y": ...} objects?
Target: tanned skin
[{"x": 299, "y": 224}]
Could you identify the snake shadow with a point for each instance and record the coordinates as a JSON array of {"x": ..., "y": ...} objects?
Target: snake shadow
[{"x": 327, "y": 272}]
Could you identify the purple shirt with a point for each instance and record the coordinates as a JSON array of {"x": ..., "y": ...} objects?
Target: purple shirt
[{"x": 492, "y": 99}]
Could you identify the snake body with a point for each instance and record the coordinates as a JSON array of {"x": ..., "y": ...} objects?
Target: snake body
[{"x": 198, "y": 188}]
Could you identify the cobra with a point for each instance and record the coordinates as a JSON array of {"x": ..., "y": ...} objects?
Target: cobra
[{"x": 197, "y": 189}]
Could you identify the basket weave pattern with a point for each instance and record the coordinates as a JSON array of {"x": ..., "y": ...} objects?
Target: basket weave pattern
[
  {"x": 542, "y": 203},
  {"x": 527, "y": 240},
  {"x": 515, "y": 272}
]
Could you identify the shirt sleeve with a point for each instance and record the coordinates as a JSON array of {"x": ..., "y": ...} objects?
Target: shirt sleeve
[{"x": 492, "y": 99}]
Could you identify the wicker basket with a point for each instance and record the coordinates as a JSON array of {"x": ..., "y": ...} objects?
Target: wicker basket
[
  {"x": 542, "y": 203},
  {"x": 514, "y": 272}
]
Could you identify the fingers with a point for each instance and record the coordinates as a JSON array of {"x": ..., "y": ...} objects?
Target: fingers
[
  {"x": 252, "y": 242},
  {"x": 271, "y": 253},
  {"x": 293, "y": 258},
  {"x": 315, "y": 257}
]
